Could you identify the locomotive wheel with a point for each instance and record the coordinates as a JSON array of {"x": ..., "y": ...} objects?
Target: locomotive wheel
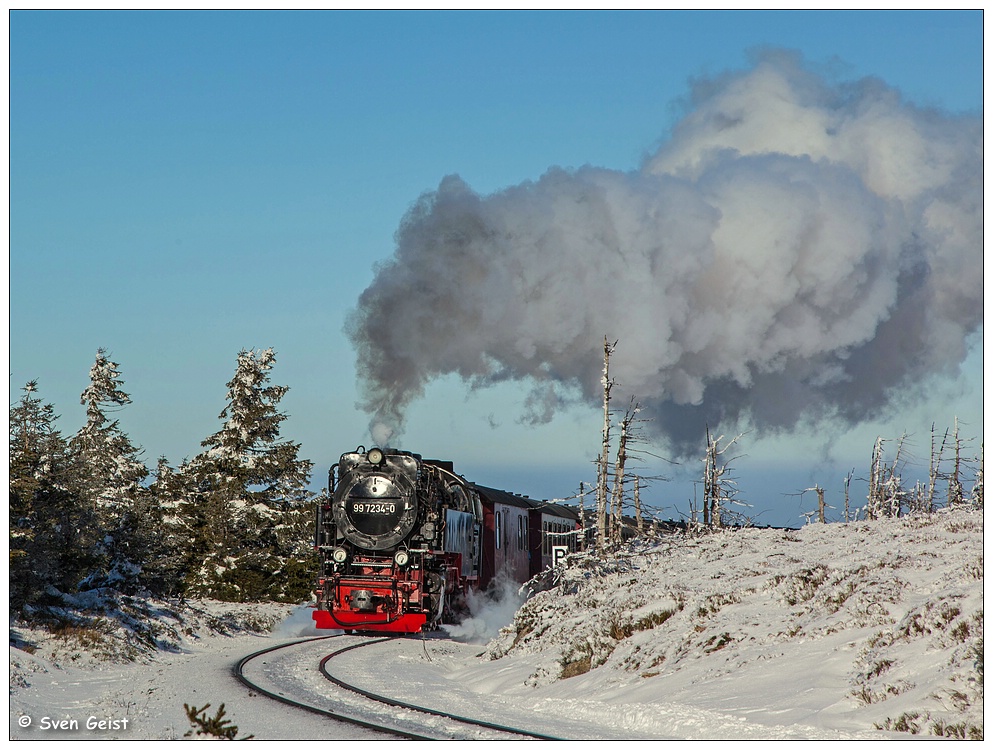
[{"x": 435, "y": 583}]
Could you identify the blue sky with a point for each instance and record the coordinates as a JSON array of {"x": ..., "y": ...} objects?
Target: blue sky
[{"x": 185, "y": 185}]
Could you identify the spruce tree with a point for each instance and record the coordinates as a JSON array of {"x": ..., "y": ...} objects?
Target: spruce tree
[
  {"x": 46, "y": 518},
  {"x": 170, "y": 554},
  {"x": 248, "y": 485},
  {"x": 247, "y": 452},
  {"x": 109, "y": 472}
]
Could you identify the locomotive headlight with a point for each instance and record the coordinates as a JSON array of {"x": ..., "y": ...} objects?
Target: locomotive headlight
[
  {"x": 376, "y": 456},
  {"x": 339, "y": 554},
  {"x": 401, "y": 558}
]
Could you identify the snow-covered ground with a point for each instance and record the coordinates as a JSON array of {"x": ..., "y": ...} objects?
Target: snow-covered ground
[
  {"x": 828, "y": 632},
  {"x": 62, "y": 687}
]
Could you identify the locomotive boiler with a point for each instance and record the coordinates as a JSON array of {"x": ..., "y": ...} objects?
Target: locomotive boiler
[{"x": 399, "y": 540}]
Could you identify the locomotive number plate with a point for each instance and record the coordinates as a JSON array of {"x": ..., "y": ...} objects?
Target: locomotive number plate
[{"x": 385, "y": 509}]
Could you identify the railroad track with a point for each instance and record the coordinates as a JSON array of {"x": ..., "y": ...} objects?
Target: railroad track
[{"x": 352, "y": 704}]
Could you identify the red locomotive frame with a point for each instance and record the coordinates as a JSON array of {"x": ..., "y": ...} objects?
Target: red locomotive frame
[{"x": 398, "y": 594}]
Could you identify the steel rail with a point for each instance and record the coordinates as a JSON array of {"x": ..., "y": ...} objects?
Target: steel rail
[
  {"x": 239, "y": 673},
  {"x": 401, "y": 704}
]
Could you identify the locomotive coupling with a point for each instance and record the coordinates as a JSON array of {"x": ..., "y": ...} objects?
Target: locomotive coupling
[{"x": 362, "y": 600}]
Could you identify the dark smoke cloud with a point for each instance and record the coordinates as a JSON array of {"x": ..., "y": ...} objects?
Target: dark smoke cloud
[{"x": 794, "y": 252}]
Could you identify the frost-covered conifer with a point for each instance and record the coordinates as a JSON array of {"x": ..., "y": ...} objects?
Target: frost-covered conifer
[
  {"x": 46, "y": 518},
  {"x": 248, "y": 484},
  {"x": 246, "y": 453},
  {"x": 167, "y": 552},
  {"x": 36, "y": 449},
  {"x": 108, "y": 474},
  {"x": 109, "y": 466}
]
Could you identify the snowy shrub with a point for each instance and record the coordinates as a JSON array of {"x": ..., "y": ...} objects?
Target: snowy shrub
[
  {"x": 961, "y": 731},
  {"x": 913, "y": 722},
  {"x": 213, "y": 727},
  {"x": 925, "y": 621},
  {"x": 907, "y": 722},
  {"x": 620, "y": 630},
  {"x": 801, "y": 586},
  {"x": 713, "y": 603},
  {"x": 576, "y": 662}
]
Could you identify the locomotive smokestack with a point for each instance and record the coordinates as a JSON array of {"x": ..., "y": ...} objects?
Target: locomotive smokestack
[{"x": 796, "y": 250}]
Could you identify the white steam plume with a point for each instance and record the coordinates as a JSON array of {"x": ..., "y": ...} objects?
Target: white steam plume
[
  {"x": 299, "y": 623},
  {"x": 489, "y": 611},
  {"x": 795, "y": 251}
]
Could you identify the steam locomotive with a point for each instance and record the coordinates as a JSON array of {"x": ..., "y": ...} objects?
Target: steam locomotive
[{"x": 402, "y": 540}]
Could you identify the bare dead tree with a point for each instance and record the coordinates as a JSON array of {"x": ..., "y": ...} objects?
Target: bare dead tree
[
  {"x": 873, "y": 507},
  {"x": 822, "y": 506},
  {"x": 631, "y": 436},
  {"x": 694, "y": 512},
  {"x": 917, "y": 499},
  {"x": 977, "y": 486},
  {"x": 601, "y": 488},
  {"x": 617, "y": 497},
  {"x": 848, "y": 483},
  {"x": 956, "y": 495},
  {"x": 582, "y": 516},
  {"x": 895, "y": 493},
  {"x": 630, "y": 433},
  {"x": 934, "y": 468},
  {"x": 718, "y": 487},
  {"x": 709, "y": 469},
  {"x": 639, "y": 523},
  {"x": 886, "y": 493}
]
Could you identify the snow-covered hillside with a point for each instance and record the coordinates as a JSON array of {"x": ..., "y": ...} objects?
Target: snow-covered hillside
[
  {"x": 836, "y": 631},
  {"x": 836, "y": 627}
]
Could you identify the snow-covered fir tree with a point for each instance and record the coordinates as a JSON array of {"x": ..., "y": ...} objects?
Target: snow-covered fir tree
[
  {"x": 247, "y": 454},
  {"x": 110, "y": 467},
  {"x": 170, "y": 552},
  {"x": 47, "y": 521},
  {"x": 108, "y": 474},
  {"x": 248, "y": 484}
]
